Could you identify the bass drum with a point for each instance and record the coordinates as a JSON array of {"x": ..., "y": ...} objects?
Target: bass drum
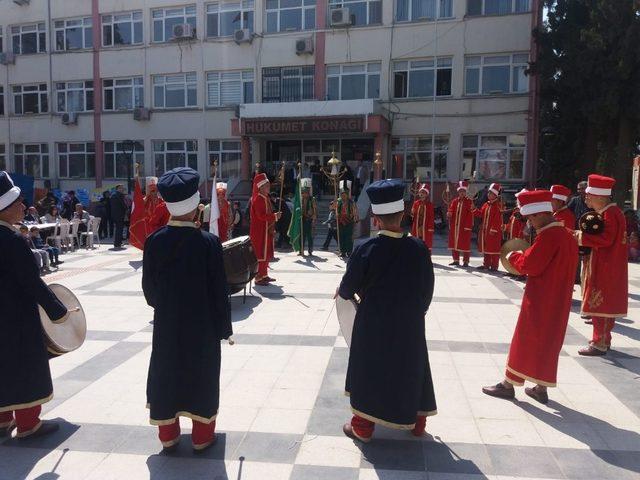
[
  {"x": 69, "y": 335},
  {"x": 240, "y": 263}
]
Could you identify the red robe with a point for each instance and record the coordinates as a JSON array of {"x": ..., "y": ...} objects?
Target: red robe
[
  {"x": 261, "y": 228},
  {"x": 515, "y": 227},
  {"x": 159, "y": 218},
  {"x": 423, "y": 221},
  {"x": 550, "y": 265},
  {"x": 565, "y": 216},
  {"x": 223, "y": 221},
  {"x": 490, "y": 233},
  {"x": 605, "y": 287},
  {"x": 460, "y": 224}
]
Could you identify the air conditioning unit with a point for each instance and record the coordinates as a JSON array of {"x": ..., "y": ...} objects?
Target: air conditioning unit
[
  {"x": 70, "y": 118},
  {"x": 21, "y": 2},
  {"x": 141, "y": 114},
  {"x": 7, "y": 59},
  {"x": 184, "y": 31},
  {"x": 340, "y": 17},
  {"x": 243, "y": 36},
  {"x": 304, "y": 45}
]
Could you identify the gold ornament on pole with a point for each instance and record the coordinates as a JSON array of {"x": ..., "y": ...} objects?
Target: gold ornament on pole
[
  {"x": 377, "y": 166},
  {"x": 334, "y": 174}
]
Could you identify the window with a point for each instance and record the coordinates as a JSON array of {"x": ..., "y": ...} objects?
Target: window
[
  {"x": 123, "y": 93},
  {"x": 75, "y": 96},
  {"x": 74, "y": 34},
  {"x": 224, "y": 18},
  {"x": 116, "y": 161},
  {"x": 496, "y": 74},
  {"x": 363, "y": 12},
  {"x": 175, "y": 91},
  {"x": 287, "y": 84},
  {"x": 290, "y": 15},
  {"x": 122, "y": 29},
  {"x": 348, "y": 82},
  {"x": 29, "y": 39},
  {"x": 496, "y": 7},
  {"x": 1, "y": 40},
  {"x": 31, "y": 159},
  {"x": 76, "y": 160},
  {"x": 414, "y": 78},
  {"x": 1, "y": 100},
  {"x": 30, "y": 99},
  {"x": 3, "y": 157},
  {"x": 494, "y": 157},
  {"x": 227, "y": 153},
  {"x": 416, "y": 10},
  {"x": 415, "y": 154},
  {"x": 175, "y": 153},
  {"x": 164, "y": 19},
  {"x": 229, "y": 88}
]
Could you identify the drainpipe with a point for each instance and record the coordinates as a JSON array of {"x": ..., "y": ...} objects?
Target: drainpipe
[
  {"x": 533, "y": 120},
  {"x": 97, "y": 93},
  {"x": 319, "y": 82}
]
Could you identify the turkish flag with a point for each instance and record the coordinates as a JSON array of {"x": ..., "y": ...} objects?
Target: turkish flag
[{"x": 138, "y": 220}]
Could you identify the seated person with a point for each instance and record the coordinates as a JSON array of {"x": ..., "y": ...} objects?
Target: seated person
[
  {"x": 83, "y": 216},
  {"x": 52, "y": 215},
  {"x": 32, "y": 216},
  {"x": 41, "y": 256},
  {"x": 39, "y": 244}
]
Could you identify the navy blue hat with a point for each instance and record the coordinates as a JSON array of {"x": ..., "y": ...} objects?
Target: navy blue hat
[
  {"x": 387, "y": 196},
  {"x": 179, "y": 190},
  {"x": 9, "y": 193}
]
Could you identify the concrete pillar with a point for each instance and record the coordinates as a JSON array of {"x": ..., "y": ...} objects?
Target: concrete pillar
[{"x": 245, "y": 158}]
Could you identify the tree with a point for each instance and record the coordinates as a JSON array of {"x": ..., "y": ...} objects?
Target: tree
[{"x": 589, "y": 66}]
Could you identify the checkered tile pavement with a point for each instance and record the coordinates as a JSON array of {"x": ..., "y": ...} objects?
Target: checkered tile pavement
[{"x": 282, "y": 402}]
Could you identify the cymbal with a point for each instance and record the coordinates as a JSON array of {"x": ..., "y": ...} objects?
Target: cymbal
[{"x": 513, "y": 245}]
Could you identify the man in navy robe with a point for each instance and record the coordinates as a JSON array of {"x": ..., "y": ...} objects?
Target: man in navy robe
[
  {"x": 389, "y": 378},
  {"x": 184, "y": 281}
]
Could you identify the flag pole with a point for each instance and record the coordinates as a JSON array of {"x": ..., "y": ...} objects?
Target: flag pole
[
  {"x": 301, "y": 253},
  {"x": 281, "y": 186}
]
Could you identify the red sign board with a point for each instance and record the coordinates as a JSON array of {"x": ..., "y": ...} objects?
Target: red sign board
[{"x": 309, "y": 126}]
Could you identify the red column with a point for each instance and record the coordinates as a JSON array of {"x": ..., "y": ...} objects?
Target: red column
[
  {"x": 245, "y": 158},
  {"x": 319, "y": 81},
  {"x": 97, "y": 93}
]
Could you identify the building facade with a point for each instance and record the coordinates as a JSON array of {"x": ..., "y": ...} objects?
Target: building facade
[{"x": 439, "y": 88}]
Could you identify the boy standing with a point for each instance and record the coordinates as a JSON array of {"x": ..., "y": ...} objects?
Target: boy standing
[
  {"x": 460, "y": 224},
  {"x": 490, "y": 233},
  {"x": 422, "y": 225}
]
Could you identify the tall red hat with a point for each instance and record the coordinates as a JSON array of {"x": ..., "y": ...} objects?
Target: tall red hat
[
  {"x": 537, "y": 201},
  {"x": 495, "y": 188},
  {"x": 424, "y": 188},
  {"x": 463, "y": 185},
  {"x": 600, "y": 185},
  {"x": 560, "y": 192},
  {"x": 259, "y": 180},
  {"x": 524, "y": 190}
]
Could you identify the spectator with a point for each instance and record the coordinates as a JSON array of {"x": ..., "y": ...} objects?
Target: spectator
[
  {"x": 52, "y": 215},
  {"x": 634, "y": 247},
  {"x": 83, "y": 217},
  {"x": 332, "y": 233},
  {"x": 362, "y": 177},
  {"x": 32, "y": 216},
  {"x": 236, "y": 229},
  {"x": 44, "y": 204},
  {"x": 118, "y": 212},
  {"x": 39, "y": 244},
  {"x": 103, "y": 210},
  {"x": 577, "y": 204},
  {"x": 41, "y": 256},
  {"x": 69, "y": 205},
  {"x": 631, "y": 218},
  {"x": 316, "y": 178}
]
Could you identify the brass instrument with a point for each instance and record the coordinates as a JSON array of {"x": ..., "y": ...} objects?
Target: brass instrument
[
  {"x": 68, "y": 334},
  {"x": 513, "y": 245}
]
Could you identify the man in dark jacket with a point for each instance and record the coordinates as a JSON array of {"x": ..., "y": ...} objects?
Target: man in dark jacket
[
  {"x": 69, "y": 205},
  {"x": 118, "y": 212},
  {"x": 26, "y": 379}
]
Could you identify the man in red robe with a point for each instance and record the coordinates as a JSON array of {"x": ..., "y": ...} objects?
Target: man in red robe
[
  {"x": 223, "y": 205},
  {"x": 560, "y": 210},
  {"x": 490, "y": 233},
  {"x": 261, "y": 228},
  {"x": 605, "y": 286},
  {"x": 460, "y": 224},
  {"x": 156, "y": 212},
  {"x": 514, "y": 228},
  {"x": 550, "y": 265},
  {"x": 422, "y": 225}
]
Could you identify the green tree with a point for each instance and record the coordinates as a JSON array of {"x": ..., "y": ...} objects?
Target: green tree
[{"x": 589, "y": 67}]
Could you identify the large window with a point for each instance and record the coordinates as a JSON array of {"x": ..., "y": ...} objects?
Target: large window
[
  {"x": 224, "y": 18},
  {"x": 74, "y": 34},
  {"x": 75, "y": 96},
  {"x": 417, "y": 10},
  {"x": 30, "y": 99},
  {"x": 229, "y": 88},
  {"x": 414, "y": 155},
  {"x": 362, "y": 12},
  {"x": 175, "y": 91},
  {"x": 414, "y": 78},
  {"x": 3, "y": 157},
  {"x": 29, "y": 38},
  {"x": 122, "y": 29},
  {"x": 493, "y": 157},
  {"x": 290, "y": 15},
  {"x": 495, "y": 75},
  {"x": 287, "y": 84},
  {"x": 169, "y": 154},
  {"x": 496, "y": 7},
  {"x": 76, "y": 160},
  {"x": 227, "y": 153},
  {"x": 348, "y": 82},
  {"x": 116, "y": 161},
  {"x": 164, "y": 19},
  {"x": 123, "y": 93},
  {"x": 31, "y": 159}
]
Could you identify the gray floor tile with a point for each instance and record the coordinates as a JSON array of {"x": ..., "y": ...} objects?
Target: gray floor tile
[
  {"x": 524, "y": 461},
  {"x": 314, "y": 472},
  {"x": 604, "y": 465},
  {"x": 457, "y": 458},
  {"x": 268, "y": 447},
  {"x": 393, "y": 455}
]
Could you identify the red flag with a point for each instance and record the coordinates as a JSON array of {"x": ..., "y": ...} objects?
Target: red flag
[{"x": 138, "y": 220}]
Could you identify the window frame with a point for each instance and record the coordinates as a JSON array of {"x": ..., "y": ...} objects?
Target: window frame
[
  {"x": 447, "y": 64},
  {"x": 114, "y": 154},
  {"x": 185, "y": 16},
  {"x": 41, "y": 37},
  {"x": 87, "y": 152},
  {"x": 246, "y": 8},
  {"x": 304, "y": 7},
  {"x": 243, "y": 79},
  {"x": 217, "y": 154},
  {"x": 1, "y": 40},
  {"x": 513, "y": 65},
  {"x": 86, "y": 90},
  {"x": 44, "y": 167},
  {"x": 2, "y": 103},
  {"x": 3, "y": 157},
  {"x": 86, "y": 23},
  {"x": 367, "y": 73},
  {"x": 41, "y": 91},
  {"x": 508, "y": 146},
  {"x": 335, "y": 4},
  {"x": 513, "y": 10},
  {"x": 137, "y": 92},
  {"x": 164, "y": 152},
  {"x": 410, "y": 19},
  {"x": 187, "y": 83},
  {"x": 111, "y": 23},
  {"x": 269, "y": 73},
  {"x": 406, "y": 150}
]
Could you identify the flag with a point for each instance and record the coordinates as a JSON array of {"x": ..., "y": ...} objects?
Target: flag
[
  {"x": 214, "y": 209},
  {"x": 295, "y": 227},
  {"x": 138, "y": 219}
]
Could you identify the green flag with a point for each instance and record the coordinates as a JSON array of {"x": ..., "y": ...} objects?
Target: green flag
[{"x": 295, "y": 227}]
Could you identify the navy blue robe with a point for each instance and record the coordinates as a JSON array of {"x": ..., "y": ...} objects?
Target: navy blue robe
[
  {"x": 184, "y": 280},
  {"x": 26, "y": 379},
  {"x": 389, "y": 377}
]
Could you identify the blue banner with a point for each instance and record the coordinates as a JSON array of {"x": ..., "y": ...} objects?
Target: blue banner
[{"x": 25, "y": 183}]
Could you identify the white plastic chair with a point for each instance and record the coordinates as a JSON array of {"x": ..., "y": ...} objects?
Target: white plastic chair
[
  {"x": 72, "y": 238},
  {"x": 92, "y": 232},
  {"x": 60, "y": 236}
]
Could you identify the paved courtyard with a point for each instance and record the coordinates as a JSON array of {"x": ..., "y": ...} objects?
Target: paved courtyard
[{"x": 282, "y": 401}]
